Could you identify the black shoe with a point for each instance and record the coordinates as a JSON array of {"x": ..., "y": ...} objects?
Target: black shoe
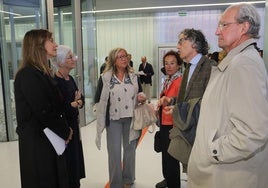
[{"x": 161, "y": 184}]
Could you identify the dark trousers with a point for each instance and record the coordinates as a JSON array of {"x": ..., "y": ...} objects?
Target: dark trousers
[{"x": 170, "y": 166}]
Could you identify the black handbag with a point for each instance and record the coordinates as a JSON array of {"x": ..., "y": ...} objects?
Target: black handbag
[{"x": 157, "y": 142}]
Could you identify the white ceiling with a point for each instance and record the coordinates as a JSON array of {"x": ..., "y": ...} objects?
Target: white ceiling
[{"x": 122, "y": 4}]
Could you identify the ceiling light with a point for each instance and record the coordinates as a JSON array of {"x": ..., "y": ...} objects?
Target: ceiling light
[{"x": 170, "y": 7}]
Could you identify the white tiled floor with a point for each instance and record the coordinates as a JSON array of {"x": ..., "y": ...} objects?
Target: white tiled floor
[{"x": 148, "y": 163}]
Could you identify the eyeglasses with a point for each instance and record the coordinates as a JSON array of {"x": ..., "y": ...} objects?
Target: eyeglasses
[
  {"x": 72, "y": 57},
  {"x": 122, "y": 57},
  {"x": 221, "y": 26},
  {"x": 181, "y": 40}
]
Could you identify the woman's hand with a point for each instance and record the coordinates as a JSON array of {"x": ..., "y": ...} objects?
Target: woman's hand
[
  {"x": 78, "y": 95},
  {"x": 77, "y": 103},
  {"x": 163, "y": 101},
  {"x": 70, "y": 136},
  {"x": 168, "y": 109},
  {"x": 141, "y": 97}
]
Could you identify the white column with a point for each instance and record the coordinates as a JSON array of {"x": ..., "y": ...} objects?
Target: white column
[{"x": 265, "y": 46}]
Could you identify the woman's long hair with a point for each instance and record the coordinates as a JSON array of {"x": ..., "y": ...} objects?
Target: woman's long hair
[{"x": 34, "y": 52}]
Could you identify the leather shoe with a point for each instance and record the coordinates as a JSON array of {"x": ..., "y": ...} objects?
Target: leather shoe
[{"x": 161, "y": 184}]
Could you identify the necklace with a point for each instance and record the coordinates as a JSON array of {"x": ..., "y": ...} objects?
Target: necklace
[{"x": 65, "y": 78}]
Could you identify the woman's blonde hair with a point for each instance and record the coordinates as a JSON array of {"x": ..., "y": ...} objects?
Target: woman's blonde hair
[{"x": 113, "y": 55}]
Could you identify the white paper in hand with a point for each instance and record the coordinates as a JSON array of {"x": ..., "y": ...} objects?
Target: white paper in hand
[
  {"x": 141, "y": 73},
  {"x": 57, "y": 142}
]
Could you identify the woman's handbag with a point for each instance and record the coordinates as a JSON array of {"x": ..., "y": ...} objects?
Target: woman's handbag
[
  {"x": 157, "y": 142},
  {"x": 144, "y": 116}
]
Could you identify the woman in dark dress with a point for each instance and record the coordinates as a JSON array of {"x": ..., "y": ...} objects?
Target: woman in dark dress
[
  {"x": 73, "y": 100},
  {"x": 39, "y": 106}
]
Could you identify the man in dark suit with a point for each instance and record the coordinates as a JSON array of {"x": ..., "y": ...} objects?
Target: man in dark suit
[
  {"x": 146, "y": 72},
  {"x": 193, "y": 47}
]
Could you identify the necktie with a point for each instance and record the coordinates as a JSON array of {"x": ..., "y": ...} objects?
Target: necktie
[{"x": 184, "y": 83}]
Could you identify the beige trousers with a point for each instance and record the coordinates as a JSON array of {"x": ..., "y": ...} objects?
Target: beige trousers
[{"x": 146, "y": 88}]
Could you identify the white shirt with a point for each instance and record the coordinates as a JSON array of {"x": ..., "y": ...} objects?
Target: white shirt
[{"x": 194, "y": 63}]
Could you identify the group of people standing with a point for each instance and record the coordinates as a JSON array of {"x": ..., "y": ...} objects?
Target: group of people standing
[
  {"x": 229, "y": 130},
  {"x": 227, "y": 146}
]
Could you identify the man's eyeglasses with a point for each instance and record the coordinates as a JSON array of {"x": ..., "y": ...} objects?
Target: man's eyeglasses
[
  {"x": 72, "y": 57},
  {"x": 122, "y": 57},
  {"x": 181, "y": 40},
  {"x": 221, "y": 26}
]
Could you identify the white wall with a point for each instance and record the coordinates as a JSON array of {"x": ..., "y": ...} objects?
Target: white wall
[
  {"x": 132, "y": 32},
  {"x": 141, "y": 33}
]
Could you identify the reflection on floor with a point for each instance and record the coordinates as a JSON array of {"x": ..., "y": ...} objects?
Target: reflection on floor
[{"x": 148, "y": 163}]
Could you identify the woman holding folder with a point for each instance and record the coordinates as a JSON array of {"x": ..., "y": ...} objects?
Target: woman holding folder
[{"x": 39, "y": 107}]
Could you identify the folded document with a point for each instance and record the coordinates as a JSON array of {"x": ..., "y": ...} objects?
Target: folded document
[{"x": 57, "y": 142}]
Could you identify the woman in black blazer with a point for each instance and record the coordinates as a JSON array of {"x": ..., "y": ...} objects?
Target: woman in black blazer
[{"x": 39, "y": 106}]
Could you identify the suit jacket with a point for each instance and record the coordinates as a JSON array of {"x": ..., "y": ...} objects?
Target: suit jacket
[
  {"x": 179, "y": 148},
  {"x": 149, "y": 71},
  {"x": 199, "y": 79}
]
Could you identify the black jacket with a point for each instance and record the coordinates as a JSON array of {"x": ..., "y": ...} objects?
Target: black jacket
[
  {"x": 149, "y": 71},
  {"x": 39, "y": 105}
]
